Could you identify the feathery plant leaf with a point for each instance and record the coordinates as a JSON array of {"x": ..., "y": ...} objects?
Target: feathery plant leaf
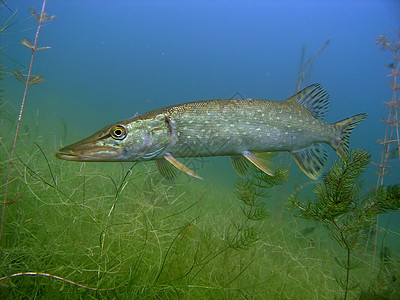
[
  {"x": 34, "y": 13},
  {"x": 36, "y": 79},
  {"x": 249, "y": 192},
  {"x": 38, "y": 17},
  {"x": 253, "y": 188},
  {"x": 245, "y": 238},
  {"x": 384, "y": 199},
  {"x": 19, "y": 76},
  {"x": 342, "y": 209},
  {"x": 339, "y": 187},
  {"x": 27, "y": 43}
]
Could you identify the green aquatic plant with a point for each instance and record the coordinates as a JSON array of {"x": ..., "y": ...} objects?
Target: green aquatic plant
[
  {"x": 390, "y": 141},
  {"x": 27, "y": 80},
  {"x": 252, "y": 192},
  {"x": 343, "y": 210},
  {"x": 161, "y": 240},
  {"x": 4, "y": 27}
]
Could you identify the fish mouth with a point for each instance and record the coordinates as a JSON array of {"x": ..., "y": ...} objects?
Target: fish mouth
[
  {"x": 92, "y": 154},
  {"x": 68, "y": 156}
]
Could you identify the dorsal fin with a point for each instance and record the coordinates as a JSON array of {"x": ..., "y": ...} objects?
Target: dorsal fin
[{"x": 314, "y": 98}]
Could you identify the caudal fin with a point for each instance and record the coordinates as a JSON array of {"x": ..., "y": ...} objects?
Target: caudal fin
[{"x": 345, "y": 127}]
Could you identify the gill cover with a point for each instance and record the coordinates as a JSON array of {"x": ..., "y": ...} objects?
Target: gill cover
[{"x": 147, "y": 138}]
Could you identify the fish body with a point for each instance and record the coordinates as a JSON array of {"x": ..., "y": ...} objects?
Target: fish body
[
  {"x": 243, "y": 129},
  {"x": 228, "y": 126}
]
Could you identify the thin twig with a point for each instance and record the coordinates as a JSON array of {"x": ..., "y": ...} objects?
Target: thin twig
[{"x": 58, "y": 278}]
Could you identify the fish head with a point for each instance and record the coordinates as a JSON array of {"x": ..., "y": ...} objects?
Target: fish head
[{"x": 136, "y": 139}]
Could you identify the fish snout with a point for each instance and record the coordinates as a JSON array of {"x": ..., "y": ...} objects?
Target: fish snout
[{"x": 89, "y": 152}]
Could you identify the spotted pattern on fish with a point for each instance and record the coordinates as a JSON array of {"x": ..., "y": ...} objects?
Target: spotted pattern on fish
[{"x": 244, "y": 128}]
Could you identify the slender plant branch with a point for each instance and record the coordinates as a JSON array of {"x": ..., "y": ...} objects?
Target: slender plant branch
[
  {"x": 391, "y": 138},
  {"x": 58, "y": 278},
  {"x": 346, "y": 291},
  {"x": 27, "y": 82}
]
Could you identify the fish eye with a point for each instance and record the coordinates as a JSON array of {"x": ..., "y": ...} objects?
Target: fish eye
[{"x": 118, "y": 132}]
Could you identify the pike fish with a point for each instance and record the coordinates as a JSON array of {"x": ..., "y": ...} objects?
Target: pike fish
[{"x": 244, "y": 129}]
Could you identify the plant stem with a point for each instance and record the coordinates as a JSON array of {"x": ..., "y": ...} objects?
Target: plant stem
[
  {"x": 347, "y": 273},
  {"x": 348, "y": 247},
  {"x": 3, "y": 214},
  {"x": 392, "y": 131}
]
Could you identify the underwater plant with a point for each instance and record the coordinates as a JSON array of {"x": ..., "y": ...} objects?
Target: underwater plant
[
  {"x": 6, "y": 25},
  {"x": 306, "y": 66},
  {"x": 252, "y": 192},
  {"x": 343, "y": 210},
  {"x": 391, "y": 140},
  {"x": 28, "y": 80}
]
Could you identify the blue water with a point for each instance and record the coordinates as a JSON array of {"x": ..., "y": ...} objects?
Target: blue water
[{"x": 111, "y": 59}]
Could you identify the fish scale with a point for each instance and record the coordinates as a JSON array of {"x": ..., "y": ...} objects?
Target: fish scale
[{"x": 225, "y": 127}]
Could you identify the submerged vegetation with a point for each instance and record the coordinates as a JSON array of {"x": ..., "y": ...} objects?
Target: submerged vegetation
[
  {"x": 344, "y": 211},
  {"x": 122, "y": 231},
  {"x": 129, "y": 234},
  {"x": 252, "y": 193},
  {"x": 27, "y": 80}
]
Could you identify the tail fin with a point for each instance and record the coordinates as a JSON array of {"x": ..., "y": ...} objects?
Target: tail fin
[{"x": 345, "y": 127}]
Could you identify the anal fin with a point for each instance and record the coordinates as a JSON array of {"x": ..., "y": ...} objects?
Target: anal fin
[
  {"x": 260, "y": 161},
  {"x": 311, "y": 160},
  {"x": 165, "y": 171}
]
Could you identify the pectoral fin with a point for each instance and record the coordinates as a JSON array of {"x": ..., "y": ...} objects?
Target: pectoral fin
[
  {"x": 240, "y": 164},
  {"x": 165, "y": 168},
  {"x": 311, "y": 160},
  {"x": 260, "y": 161},
  {"x": 169, "y": 172}
]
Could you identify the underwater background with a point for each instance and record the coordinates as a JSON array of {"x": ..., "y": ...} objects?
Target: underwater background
[{"x": 119, "y": 229}]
